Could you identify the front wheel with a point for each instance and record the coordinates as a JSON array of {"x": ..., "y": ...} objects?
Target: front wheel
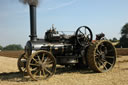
[
  {"x": 101, "y": 56},
  {"x": 41, "y": 65}
]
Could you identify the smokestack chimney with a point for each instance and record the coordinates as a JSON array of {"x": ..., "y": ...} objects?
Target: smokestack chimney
[
  {"x": 32, "y": 5},
  {"x": 33, "y": 35}
]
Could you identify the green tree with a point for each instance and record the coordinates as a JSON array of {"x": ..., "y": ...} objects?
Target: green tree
[
  {"x": 114, "y": 39},
  {"x": 13, "y": 47},
  {"x": 1, "y": 47},
  {"x": 124, "y": 36}
]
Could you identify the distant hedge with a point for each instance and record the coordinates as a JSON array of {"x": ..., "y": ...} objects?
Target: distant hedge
[
  {"x": 1, "y": 47},
  {"x": 13, "y": 47}
]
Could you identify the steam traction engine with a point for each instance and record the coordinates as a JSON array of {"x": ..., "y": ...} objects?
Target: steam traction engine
[{"x": 42, "y": 55}]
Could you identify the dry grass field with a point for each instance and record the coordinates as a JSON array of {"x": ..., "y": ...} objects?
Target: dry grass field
[
  {"x": 9, "y": 74},
  {"x": 13, "y": 54}
]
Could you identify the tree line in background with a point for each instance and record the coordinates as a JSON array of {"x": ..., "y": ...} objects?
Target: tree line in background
[
  {"x": 12, "y": 47},
  {"x": 124, "y": 36}
]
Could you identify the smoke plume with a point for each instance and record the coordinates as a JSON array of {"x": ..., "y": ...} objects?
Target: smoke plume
[{"x": 30, "y": 2}]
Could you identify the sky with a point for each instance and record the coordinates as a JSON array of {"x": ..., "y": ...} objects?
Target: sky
[{"x": 107, "y": 16}]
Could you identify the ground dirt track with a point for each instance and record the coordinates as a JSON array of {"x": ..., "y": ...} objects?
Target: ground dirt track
[{"x": 9, "y": 75}]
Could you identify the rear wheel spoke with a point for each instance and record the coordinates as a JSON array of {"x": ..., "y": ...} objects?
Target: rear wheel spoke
[
  {"x": 99, "y": 64},
  {"x": 109, "y": 57},
  {"x": 107, "y": 62},
  {"x": 104, "y": 65},
  {"x": 98, "y": 52},
  {"x": 111, "y": 50}
]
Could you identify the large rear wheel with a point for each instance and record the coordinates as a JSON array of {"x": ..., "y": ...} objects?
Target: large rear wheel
[{"x": 101, "y": 56}]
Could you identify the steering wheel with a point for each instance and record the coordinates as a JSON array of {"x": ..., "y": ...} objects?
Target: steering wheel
[{"x": 83, "y": 35}]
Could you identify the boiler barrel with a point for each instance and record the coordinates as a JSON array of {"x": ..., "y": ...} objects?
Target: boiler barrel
[{"x": 56, "y": 48}]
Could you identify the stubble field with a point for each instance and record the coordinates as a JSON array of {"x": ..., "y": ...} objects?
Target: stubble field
[{"x": 9, "y": 74}]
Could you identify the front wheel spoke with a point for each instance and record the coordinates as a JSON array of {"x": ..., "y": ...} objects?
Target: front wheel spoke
[
  {"x": 48, "y": 71},
  {"x": 34, "y": 60},
  {"x": 33, "y": 69},
  {"x": 36, "y": 72},
  {"x": 40, "y": 72},
  {"x": 38, "y": 58},
  {"x": 34, "y": 64},
  {"x": 43, "y": 56},
  {"x": 45, "y": 61},
  {"x": 49, "y": 62},
  {"x": 43, "y": 72}
]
